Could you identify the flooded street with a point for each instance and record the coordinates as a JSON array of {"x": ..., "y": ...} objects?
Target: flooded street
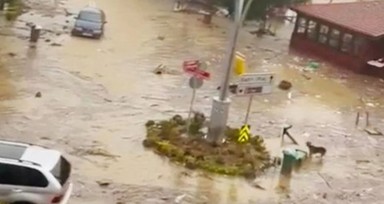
[{"x": 97, "y": 96}]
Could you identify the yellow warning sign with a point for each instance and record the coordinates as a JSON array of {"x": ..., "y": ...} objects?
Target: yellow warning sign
[{"x": 245, "y": 134}]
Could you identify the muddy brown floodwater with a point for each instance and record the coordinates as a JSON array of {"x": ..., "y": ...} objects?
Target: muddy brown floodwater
[{"x": 96, "y": 96}]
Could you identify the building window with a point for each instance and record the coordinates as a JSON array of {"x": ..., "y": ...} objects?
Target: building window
[
  {"x": 358, "y": 44},
  {"x": 323, "y": 34},
  {"x": 312, "y": 30},
  {"x": 346, "y": 43},
  {"x": 334, "y": 38},
  {"x": 301, "y": 25}
]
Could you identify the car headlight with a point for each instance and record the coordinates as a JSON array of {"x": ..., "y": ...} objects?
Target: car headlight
[
  {"x": 79, "y": 28},
  {"x": 97, "y": 31}
]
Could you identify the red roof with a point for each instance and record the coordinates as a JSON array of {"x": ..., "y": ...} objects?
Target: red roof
[{"x": 363, "y": 17}]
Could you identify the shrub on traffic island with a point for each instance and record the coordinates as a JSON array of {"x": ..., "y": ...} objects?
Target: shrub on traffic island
[{"x": 187, "y": 146}]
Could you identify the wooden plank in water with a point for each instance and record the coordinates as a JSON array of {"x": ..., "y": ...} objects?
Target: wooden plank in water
[{"x": 373, "y": 131}]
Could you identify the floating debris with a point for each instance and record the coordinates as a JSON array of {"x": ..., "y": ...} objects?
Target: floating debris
[
  {"x": 180, "y": 198},
  {"x": 373, "y": 131},
  {"x": 38, "y": 95},
  {"x": 56, "y": 44},
  {"x": 160, "y": 37},
  {"x": 12, "y": 54},
  {"x": 285, "y": 85},
  {"x": 103, "y": 183},
  {"x": 162, "y": 69}
]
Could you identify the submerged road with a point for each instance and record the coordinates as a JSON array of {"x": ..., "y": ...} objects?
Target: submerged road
[{"x": 96, "y": 96}]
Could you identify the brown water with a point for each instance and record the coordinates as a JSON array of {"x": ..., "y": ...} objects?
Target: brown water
[{"x": 102, "y": 92}]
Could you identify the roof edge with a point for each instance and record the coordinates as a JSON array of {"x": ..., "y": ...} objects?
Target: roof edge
[{"x": 342, "y": 26}]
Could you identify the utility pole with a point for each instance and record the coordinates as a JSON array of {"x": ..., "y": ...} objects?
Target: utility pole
[
  {"x": 2, "y": 2},
  {"x": 208, "y": 17},
  {"x": 221, "y": 103}
]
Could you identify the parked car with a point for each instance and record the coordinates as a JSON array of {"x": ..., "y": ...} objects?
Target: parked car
[
  {"x": 31, "y": 174},
  {"x": 89, "y": 23}
]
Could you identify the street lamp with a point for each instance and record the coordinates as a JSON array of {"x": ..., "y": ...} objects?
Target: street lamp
[{"x": 221, "y": 103}]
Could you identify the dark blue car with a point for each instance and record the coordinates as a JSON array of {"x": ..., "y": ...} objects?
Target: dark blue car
[{"x": 90, "y": 23}]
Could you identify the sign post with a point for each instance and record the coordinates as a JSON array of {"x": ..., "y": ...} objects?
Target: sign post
[
  {"x": 198, "y": 73},
  {"x": 254, "y": 84},
  {"x": 248, "y": 109},
  {"x": 194, "y": 83}
]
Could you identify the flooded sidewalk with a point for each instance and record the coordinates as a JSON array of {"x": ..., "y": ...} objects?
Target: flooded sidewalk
[{"x": 97, "y": 95}]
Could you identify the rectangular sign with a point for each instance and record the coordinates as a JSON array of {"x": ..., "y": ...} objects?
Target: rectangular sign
[
  {"x": 248, "y": 90},
  {"x": 257, "y": 78},
  {"x": 255, "y": 83}
]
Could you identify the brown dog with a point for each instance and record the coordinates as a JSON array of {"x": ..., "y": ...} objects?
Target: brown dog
[{"x": 315, "y": 150}]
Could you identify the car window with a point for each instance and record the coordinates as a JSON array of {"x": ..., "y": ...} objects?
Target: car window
[
  {"x": 90, "y": 16},
  {"x": 34, "y": 178},
  {"x": 62, "y": 171},
  {"x": 9, "y": 174},
  {"x": 21, "y": 176},
  {"x": 11, "y": 151}
]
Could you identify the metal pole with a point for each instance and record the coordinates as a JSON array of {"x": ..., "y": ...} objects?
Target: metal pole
[
  {"x": 220, "y": 106},
  {"x": 247, "y": 6},
  {"x": 231, "y": 49},
  {"x": 191, "y": 109},
  {"x": 248, "y": 110}
]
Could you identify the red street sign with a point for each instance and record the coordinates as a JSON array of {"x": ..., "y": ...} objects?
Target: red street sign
[
  {"x": 191, "y": 62},
  {"x": 190, "y": 66},
  {"x": 193, "y": 67},
  {"x": 190, "y": 69},
  {"x": 202, "y": 74}
]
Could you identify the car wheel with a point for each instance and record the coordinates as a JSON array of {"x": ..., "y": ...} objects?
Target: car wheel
[{"x": 98, "y": 36}]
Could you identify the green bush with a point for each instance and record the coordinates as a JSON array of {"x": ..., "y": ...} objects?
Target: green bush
[
  {"x": 230, "y": 158},
  {"x": 15, "y": 8},
  {"x": 259, "y": 8}
]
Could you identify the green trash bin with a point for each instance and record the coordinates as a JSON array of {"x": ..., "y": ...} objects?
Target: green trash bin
[{"x": 289, "y": 160}]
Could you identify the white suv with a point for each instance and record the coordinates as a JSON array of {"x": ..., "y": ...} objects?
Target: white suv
[{"x": 32, "y": 174}]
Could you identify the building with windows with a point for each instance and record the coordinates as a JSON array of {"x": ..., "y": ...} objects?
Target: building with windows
[{"x": 349, "y": 35}]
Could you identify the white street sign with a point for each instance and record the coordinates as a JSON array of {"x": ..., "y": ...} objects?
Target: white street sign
[
  {"x": 255, "y": 83},
  {"x": 257, "y": 78},
  {"x": 248, "y": 90}
]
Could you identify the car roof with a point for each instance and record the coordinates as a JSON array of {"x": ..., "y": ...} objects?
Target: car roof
[
  {"x": 45, "y": 158},
  {"x": 91, "y": 9}
]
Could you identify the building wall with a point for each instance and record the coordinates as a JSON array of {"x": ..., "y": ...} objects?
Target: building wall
[
  {"x": 355, "y": 59},
  {"x": 315, "y": 50},
  {"x": 376, "y": 51}
]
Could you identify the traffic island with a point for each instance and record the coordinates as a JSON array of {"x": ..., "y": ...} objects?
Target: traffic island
[{"x": 188, "y": 147}]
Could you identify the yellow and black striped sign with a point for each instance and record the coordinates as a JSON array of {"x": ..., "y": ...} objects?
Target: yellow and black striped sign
[{"x": 245, "y": 134}]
